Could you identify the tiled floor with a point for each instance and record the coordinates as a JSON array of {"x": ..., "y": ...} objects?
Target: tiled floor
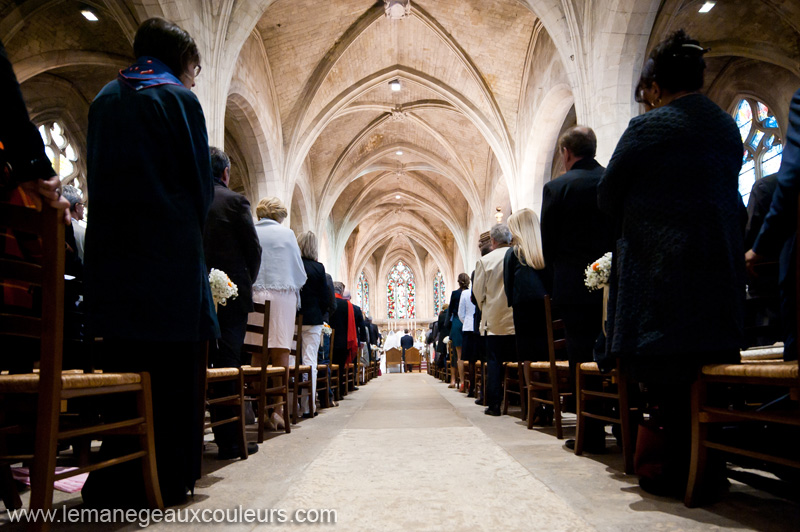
[{"x": 407, "y": 453}]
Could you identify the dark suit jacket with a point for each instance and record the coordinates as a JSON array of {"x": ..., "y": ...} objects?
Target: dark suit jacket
[
  {"x": 231, "y": 244},
  {"x": 758, "y": 207},
  {"x": 777, "y": 234},
  {"x": 406, "y": 341},
  {"x": 314, "y": 294},
  {"x": 452, "y": 308},
  {"x": 330, "y": 302},
  {"x": 338, "y": 321},
  {"x": 361, "y": 329},
  {"x": 574, "y": 231}
]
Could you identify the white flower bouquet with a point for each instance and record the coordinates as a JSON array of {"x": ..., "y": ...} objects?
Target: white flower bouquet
[
  {"x": 326, "y": 329},
  {"x": 222, "y": 288},
  {"x": 598, "y": 273}
]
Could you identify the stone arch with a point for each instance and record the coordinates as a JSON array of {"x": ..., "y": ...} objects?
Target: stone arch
[
  {"x": 540, "y": 145},
  {"x": 245, "y": 126}
]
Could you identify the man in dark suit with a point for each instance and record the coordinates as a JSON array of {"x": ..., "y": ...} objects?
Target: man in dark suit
[
  {"x": 345, "y": 339},
  {"x": 231, "y": 245},
  {"x": 406, "y": 342},
  {"x": 778, "y": 233},
  {"x": 574, "y": 234},
  {"x": 762, "y": 308}
]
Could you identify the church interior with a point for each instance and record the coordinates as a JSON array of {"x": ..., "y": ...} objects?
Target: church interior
[{"x": 400, "y": 132}]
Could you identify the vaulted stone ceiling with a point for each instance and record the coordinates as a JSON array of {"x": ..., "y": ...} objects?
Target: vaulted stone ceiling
[{"x": 297, "y": 92}]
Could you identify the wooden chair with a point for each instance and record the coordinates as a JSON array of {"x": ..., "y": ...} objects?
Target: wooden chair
[
  {"x": 755, "y": 394},
  {"x": 593, "y": 388},
  {"x": 264, "y": 381},
  {"x": 548, "y": 381},
  {"x": 48, "y": 388},
  {"x": 235, "y": 377},
  {"x": 413, "y": 357},
  {"x": 514, "y": 384},
  {"x": 300, "y": 374},
  {"x": 394, "y": 357}
]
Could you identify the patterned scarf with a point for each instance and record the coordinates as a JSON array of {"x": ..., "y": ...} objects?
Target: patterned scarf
[{"x": 147, "y": 72}]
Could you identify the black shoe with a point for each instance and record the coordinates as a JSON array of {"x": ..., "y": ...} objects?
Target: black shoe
[
  {"x": 479, "y": 401},
  {"x": 471, "y": 394},
  {"x": 233, "y": 452},
  {"x": 492, "y": 411},
  {"x": 355, "y": 388},
  {"x": 663, "y": 488},
  {"x": 595, "y": 448}
]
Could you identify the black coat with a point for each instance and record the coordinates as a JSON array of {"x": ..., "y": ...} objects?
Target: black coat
[
  {"x": 758, "y": 207},
  {"x": 452, "y": 309},
  {"x": 22, "y": 143},
  {"x": 677, "y": 279},
  {"x": 338, "y": 322},
  {"x": 406, "y": 341},
  {"x": 574, "y": 231},
  {"x": 330, "y": 301},
  {"x": 146, "y": 276},
  {"x": 314, "y": 296},
  {"x": 525, "y": 291},
  {"x": 443, "y": 330},
  {"x": 231, "y": 244},
  {"x": 361, "y": 329}
]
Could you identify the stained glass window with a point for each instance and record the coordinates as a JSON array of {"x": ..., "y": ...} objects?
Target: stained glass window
[
  {"x": 400, "y": 291},
  {"x": 438, "y": 292},
  {"x": 762, "y": 143},
  {"x": 362, "y": 293},
  {"x": 62, "y": 156}
]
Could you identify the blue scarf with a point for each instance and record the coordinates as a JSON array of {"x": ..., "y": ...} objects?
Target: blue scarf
[{"x": 147, "y": 72}]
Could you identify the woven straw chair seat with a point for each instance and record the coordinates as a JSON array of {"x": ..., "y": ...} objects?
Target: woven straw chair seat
[
  {"x": 256, "y": 370},
  {"x": 560, "y": 364},
  {"x": 221, "y": 373},
  {"x": 29, "y": 382},
  {"x": 766, "y": 370}
]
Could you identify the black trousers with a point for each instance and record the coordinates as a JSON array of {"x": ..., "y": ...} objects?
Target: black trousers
[
  {"x": 499, "y": 349},
  {"x": 227, "y": 353},
  {"x": 177, "y": 372}
]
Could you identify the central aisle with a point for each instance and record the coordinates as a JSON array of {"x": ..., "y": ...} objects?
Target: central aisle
[{"x": 407, "y": 460}]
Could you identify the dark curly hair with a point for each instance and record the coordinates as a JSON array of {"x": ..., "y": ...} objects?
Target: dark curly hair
[{"x": 676, "y": 64}]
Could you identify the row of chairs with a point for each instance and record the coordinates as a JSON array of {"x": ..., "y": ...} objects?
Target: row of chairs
[
  {"x": 37, "y": 417},
  {"x": 760, "y": 391}
]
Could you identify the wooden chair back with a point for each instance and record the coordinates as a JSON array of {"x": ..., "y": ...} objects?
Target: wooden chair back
[
  {"x": 413, "y": 356},
  {"x": 394, "y": 357},
  {"x": 261, "y": 349}
]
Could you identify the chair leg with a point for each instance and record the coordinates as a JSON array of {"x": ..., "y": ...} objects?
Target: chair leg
[
  {"x": 556, "y": 396},
  {"x": 262, "y": 411},
  {"x": 9, "y": 489},
  {"x": 505, "y": 389},
  {"x": 144, "y": 404},
  {"x": 295, "y": 396},
  {"x": 523, "y": 390},
  {"x": 286, "y": 405},
  {"x": 241, "y": 433},
  {"x": 526, "y": 373},
  {"x": 697, "y": 464}
]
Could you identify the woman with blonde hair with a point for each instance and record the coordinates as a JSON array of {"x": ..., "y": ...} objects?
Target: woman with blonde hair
[
  {"x": 279, "y": 281},
  {"x": 524, "y": 282}
]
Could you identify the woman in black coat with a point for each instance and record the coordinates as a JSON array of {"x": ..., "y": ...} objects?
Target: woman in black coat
[
  {"x": 677, "y": 284},
  {"x": 314, "y": 300},
  {"x": 524, "y": 286}
]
